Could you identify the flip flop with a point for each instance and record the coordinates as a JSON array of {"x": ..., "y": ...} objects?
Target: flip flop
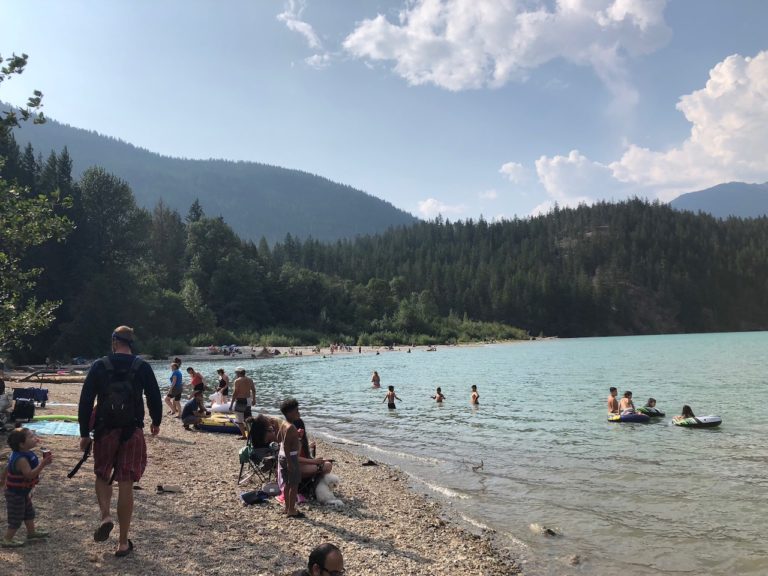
[
  {"x": 37, "y": 535},
  {"x": 297, "y": 515},
  {"x": 124, "y": 553},
  {"x": 11, "y": 543},
  {"x": 102, "y": 532}
]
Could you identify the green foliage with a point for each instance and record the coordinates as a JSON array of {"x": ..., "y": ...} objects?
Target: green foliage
[
  {"x": 164, "y": 347},
  {"x": 216, "y": 337}
]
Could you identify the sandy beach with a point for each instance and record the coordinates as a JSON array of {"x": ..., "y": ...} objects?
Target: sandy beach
[{"x": 383, "y": 528}]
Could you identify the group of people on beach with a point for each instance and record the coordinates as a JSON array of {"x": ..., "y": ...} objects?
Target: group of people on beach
[
  {"x": 112, "y": 410},
  {"x": 438, "y": 397}
]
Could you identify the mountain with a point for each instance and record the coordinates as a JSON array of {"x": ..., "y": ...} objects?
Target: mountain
[
  {"x": 255, "y": 199},
  {"x": 724, "y": 200}
]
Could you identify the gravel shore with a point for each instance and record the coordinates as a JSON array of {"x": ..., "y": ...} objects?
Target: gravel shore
[{"x": 383, "y": 528}]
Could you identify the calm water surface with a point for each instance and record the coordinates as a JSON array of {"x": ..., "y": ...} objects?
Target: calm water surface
[{"x": 638, "y": 498}]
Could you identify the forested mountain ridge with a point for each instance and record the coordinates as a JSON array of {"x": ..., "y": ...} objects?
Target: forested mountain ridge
[
  {"x": 724, "y": 200},
  {"x": 255, "y": 199},
  {"x": 626, "y": 268}
]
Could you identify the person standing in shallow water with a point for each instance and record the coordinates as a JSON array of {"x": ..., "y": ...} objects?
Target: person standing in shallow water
[
  {"x": 375, "y": 380},
  {"x": 391, "y": 397},
  {"x": 475, "y": 397}
]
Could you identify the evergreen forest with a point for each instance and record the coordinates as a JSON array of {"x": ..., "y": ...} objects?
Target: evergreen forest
[{"x": 609, "y": 269}]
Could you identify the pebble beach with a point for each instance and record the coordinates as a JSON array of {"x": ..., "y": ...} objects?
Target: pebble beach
[{"x": 382, "y": 528}]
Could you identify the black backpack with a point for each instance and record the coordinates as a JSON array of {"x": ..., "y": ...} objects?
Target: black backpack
[{"x": 117, "y": 401}]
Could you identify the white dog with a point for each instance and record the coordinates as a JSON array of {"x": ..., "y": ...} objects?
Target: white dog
[{"x": 324, "y": 490}]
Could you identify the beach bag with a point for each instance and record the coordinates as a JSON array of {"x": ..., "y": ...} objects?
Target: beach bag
[
  {"x": 117, "y": 400},
  {"x": 23, "y": 409}
]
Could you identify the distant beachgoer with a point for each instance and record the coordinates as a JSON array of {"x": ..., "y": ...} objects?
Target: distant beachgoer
[
  {"x": 193, "y": 411},
  {"x": 173, "y": 397},
  {"x": 21, "y": 475},
  {"x": 197, "y": 381},
  {"x": 375, "y": 380},
  {"x": 613, "y": 404},
  {"x": 177, "y": 361},
  {"x": 687, "y": 412},
  {"x": 438, "y": 397},
  {"x": 325, "y": 559},
  {"x": 244, "y": 388},
  {"x": 391, "y": 397},
  {"x": 223, "y": 388},
  {"x": 626, "y": 405},
  {"x": 475, "y": 398},
  {"x": 651, "y": 403}
]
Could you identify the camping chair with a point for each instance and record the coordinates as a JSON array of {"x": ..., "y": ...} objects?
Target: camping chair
[{"x": 259, "y": 463}]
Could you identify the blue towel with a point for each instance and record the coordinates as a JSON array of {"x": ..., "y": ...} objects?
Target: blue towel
[{"x": 54, "y": 428}]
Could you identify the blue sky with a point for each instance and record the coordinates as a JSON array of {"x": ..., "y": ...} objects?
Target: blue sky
[{"x": 459, "y": 107}]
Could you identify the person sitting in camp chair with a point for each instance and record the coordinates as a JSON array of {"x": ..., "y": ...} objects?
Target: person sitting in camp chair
[{"x": 258, "y": 456}]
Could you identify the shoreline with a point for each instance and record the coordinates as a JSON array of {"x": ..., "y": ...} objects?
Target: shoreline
[{"x": 384, "y": 527}]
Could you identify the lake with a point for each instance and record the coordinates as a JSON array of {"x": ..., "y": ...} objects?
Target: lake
[{"x": 638, "y": 498}]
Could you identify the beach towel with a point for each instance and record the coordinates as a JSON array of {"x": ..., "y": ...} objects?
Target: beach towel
[{"x": 55, "y": 428}]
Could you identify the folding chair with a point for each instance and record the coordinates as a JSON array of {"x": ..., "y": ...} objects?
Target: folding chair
[{"x": 259, "y": 463}]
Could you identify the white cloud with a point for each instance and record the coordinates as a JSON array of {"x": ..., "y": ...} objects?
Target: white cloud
[
  {"x": 431, "y": 207},
  {"x": 727, "y": 142},
  {"x": 513, "y": 171},
  {"x": 291, "y": 17},
  {"x": 464, "y": 44},
  {"x": 488, "y": 195}
]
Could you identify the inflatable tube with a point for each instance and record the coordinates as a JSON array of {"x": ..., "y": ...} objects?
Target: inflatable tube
[
  {"x": 63, "y": 417},
  {"x": 219, "y": 423},
  {"x": 652, "y": 412},
  {"x": 698, "y": 422},
  {"x": 220, "y": 408},
  {"x": 632, "y": 417}
]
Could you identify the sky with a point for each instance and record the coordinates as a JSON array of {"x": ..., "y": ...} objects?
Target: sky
[{"x": 464, "y": 108}]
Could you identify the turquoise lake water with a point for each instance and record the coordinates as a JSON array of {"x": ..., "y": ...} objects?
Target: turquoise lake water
[{"x": 632, "y": 498}]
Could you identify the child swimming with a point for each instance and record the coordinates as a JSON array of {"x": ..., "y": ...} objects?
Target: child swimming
[{"x": 438, "y": 397}]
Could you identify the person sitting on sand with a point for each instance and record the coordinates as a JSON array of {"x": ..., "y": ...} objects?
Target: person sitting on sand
[
  {"x": 626, "y": 406},
  {"x": 438, "y": 397},
  {"x": 391, "y": 397},
  {"x": 475, "y": 398},
  {"x": 325, "y": 559},
  {"x": 613, "y": 404},
  {"x": 375, "y": 380},
  {"x": 310, "y": 466},
  {"x": 687, "y": 412},
  {"x": 193, "y": 411}
]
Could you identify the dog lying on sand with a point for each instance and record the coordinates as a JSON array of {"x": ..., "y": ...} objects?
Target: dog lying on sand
[{"x": 324, "y": 490}]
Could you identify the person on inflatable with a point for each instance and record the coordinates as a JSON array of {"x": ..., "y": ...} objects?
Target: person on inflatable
[
  {"x": 613, "y": 404},
  {"x": 626, "y": 406},
  {"x": 687, "y": 412}
]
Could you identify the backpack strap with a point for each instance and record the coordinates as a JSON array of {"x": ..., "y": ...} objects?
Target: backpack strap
[
  {"x": 108, "y": 364},
  {"x": 135, "y": 365}
]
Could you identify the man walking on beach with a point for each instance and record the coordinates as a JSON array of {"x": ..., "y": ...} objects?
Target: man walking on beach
[
  {"x": 119, "y": 450},
  {"x": 244, "y": 387}
]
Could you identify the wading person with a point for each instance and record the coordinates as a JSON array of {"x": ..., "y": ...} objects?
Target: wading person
[
  {"x": 244, "y": 387},
  {"x": 117, "y": 382}
]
